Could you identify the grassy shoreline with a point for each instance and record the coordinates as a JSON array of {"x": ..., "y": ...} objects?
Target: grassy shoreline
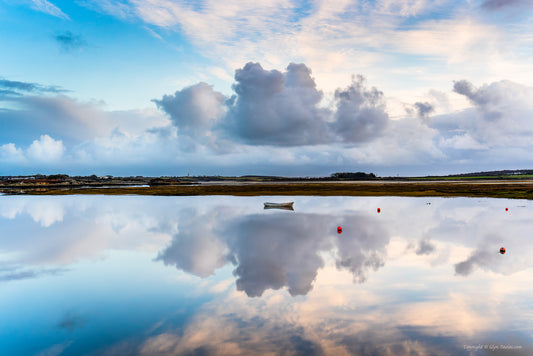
[{"x": 501, "y": 189}]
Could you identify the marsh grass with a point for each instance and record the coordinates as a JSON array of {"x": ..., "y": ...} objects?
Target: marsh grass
[{"x": 501, "y": 189}]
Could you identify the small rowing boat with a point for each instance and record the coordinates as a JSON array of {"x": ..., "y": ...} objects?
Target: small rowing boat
[{"x": 287, "y": 206}]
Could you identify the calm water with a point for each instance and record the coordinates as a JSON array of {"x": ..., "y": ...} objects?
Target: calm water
[{"x": 128, "y": 275}]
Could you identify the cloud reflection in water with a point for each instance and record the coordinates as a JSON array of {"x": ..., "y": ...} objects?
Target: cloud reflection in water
[
  {"x": 434, "y": 280},
  {"x": 277, "y": 250}
]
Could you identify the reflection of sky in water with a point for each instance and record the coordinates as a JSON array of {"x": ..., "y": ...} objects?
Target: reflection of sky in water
[{"x": 219, "y": 275}]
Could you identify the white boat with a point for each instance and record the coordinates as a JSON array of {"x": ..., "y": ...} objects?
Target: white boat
[{"x": 287, "y": 206}]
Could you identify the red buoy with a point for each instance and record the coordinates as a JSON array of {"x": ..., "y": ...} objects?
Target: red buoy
[
  {"x": 506, "y": 209},
  {"x": 339, "y": 229},
  {"x": 502, "y": 250},
  {"x": 379, "y": 210}
]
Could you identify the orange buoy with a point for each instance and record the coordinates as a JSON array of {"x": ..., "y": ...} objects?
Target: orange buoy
[
  {"x": 502, "y": 250},
  {"x": 379, "y": 210},
  {"x": 339, "y": 229}
]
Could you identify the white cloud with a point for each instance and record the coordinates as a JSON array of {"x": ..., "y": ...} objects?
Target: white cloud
[
  {"x": 193, "y": 109},
  {"x": 276, "y": 124},
  {"x": 221, "y": 73},
  {"x": 10, "y": 153},
  {"x": 404, "y": 8},
  {"x": 381, "y": 38},
  {"x": 500, "y": 118},
  {"x": 117, "y": 8},
  {"x": 46, "y": 149},
  {"x": 48, "y": 8},
  {"x": 462, "y": 142},
  {"x": 456, "y": 40},
  {"x": 77, "y": 121}
]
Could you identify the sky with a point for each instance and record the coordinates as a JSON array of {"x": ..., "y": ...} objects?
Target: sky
[{"x": 279, "y": 87}]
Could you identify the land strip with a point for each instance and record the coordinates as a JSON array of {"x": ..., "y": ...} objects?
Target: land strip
[{"x": 513, "y": 189}]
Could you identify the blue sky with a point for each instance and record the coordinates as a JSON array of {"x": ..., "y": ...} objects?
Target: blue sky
[{"x": 168, "y": 87}]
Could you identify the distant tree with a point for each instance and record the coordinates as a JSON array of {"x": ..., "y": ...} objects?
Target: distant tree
[
  {"x": 163, "y": 181},
  {"x": 58, "y": 176},
  {"x": 354, "y": 176}
]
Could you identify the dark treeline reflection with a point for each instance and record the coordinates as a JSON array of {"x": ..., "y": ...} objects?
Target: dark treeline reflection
[{"x": 276, "y": 250}]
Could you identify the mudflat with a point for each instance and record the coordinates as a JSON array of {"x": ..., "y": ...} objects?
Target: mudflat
[{"x": 514, "y": 189}]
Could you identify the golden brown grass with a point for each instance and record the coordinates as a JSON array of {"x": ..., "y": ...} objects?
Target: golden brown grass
[{"x": 503, "y": 189}]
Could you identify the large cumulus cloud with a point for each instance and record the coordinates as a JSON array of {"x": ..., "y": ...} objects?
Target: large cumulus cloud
[
  {"x": 46, "y": 149},
  {"x": 485, "y": 98},
  {"x": 193, "y": 109},
  {"x": 360, "y": 114},
  {"x": 500, "y": 117},
  {"x": 276, "y": 108},
  {"x": 276, "y": 122}
]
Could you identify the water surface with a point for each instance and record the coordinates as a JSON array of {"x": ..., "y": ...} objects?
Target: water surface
[{"x": 132, "y": 275}]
